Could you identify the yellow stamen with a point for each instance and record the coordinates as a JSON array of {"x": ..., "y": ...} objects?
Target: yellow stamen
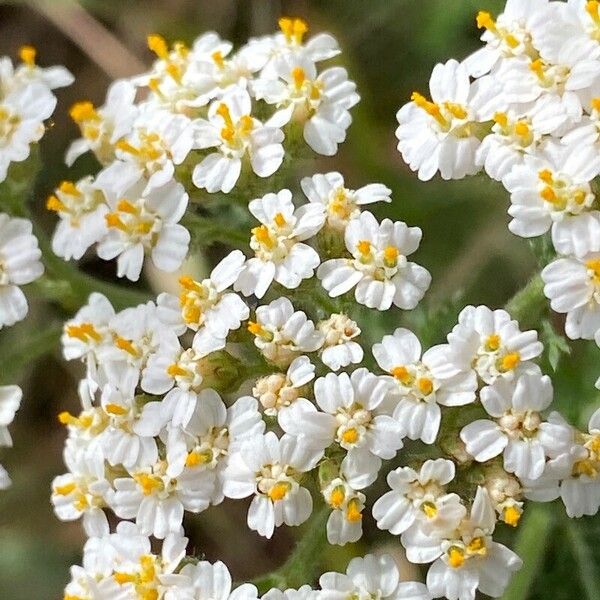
[
  {"x": 456, "y": 557},
  {"x": 596, "y": 104},
  {"x": 158, "y": 45},
  {"x": 477, "y": 546},
  {"x": 425, "y": 385},
  {"x": 83, "y": 111},
  {"x": 537, "y": 66},
  {"x": 126, "y": 346},
  {"x": 593, "y": 9},
  {"x": 175, "y": 370},
  {"x": 186, "y": 282},
  {"x": 511, "y": 361},
  {"x": 593, "y": 265},
  {"x": 522, "y": 129},
  {"x": 174, "y": 72},
  {"x": 337, "y": 497},
  {"x": 485, "y": 21},
  {"x": 430, "y": 509},
  {"x": 456, "y": 110},
  {"x": 350, "y": 436},
  {"x": 123, "y": 578},
  {"x": 401, "y": 374},
  {"x": 55, "y": 205},
  {"x": 263, "y": 236},
  {"x": 69, "y": 188},
  {"x": 218, "y": 59},
  {"x": 293, "y": 29},
  {"x": 127, "y": 207},
  {"x": 501, "y": 118},
  {"x": 223, "y": 112},
  {"x": 279, "y": 491},
  {"x": 390, "y": 256},
  {"x": 511, "y": 516},
  {"x": 196, "y": 458},
  {"x": 258, "y": 330},
  {"x": 279, "y": 220},
  {"x": 364, "y": 247},
  {"x": 354, "y": 511},
  {"x": 125, "y": 146},
  {"x": 27, "y": 54},
  {"x": 116, "y": 409},
  {"x": 246, "y": 125},
  {"x": 65, "y": 490},
  {"x": 546, "y": 176},
  {"x": 429, "y": 107},
  {"x": 299, "y": 76},
  {"x": 493, "y": 342},
  {"x": 148, "y": 483},
  {"x": 113, "y": 220},
  {"x": 585, "y": 467},
  {"x": 549, "y": 195}
]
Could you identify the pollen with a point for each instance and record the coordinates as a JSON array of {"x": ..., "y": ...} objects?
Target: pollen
[
  {"x": 223, "y": 112},
  {"x": 69, "y": 188},
  {"x": 537, "y": 66},
  {"x": 294, "y": 30},
  {"x": 353, "y": 512},
  {"x": 196, "y": 458},
  {"x": 511, "y": 361},
  {"x": 299, "y": 76},
  {"x": 125, "y": 146},
  {"x": 549, "y": 195},
  {"x": 456, "y": 557},
  {"x": 429, "y": 107},
  {"x": 246, "y": 124},
  {"x": 493, "y": 343},
  {"x": 279, "y": 491},
  {"x": 158, "y": 45},
  {"x": 364, "y": 247},
  {"x": 280, "y": 220},
  {"x": 425, "y": 385},
  {"x": 546, "y": 176},
  {"x": 27, "y": 54},
  {"x": 477, "y": 546},
  {"x": 501, "y": 119},
  {"x": 115, "y": 409},
  {"x": 175, "y": 370},
  {"x": 401, "y": 374},
  {"x": 522, "y": 129},
  {"x": 485, "y": 21},
  {"x": 511, "y": 516},
  {"x": 55, "y": 205},
  {"x": 593, "y": 266},
  {"x": 456, "y": 110},
  {"x": 593, "y": 9},
  {"x": 337, "y": 497},
  {"x": 596, "y": 104},
  {"x": 263, "y": 236},
  {"x": 127, "y": 346},
  {"x": 390, "y": 256},
  {"x": 65, "y": 490},
  {"x": 148, "y": 483},
  {"x": 83, "y": 111},
  {"x": 189, "y": 284},
  {"x": 218, "y": 59},
  {"x": 126, "y": 207},
  {"x": 350, "y": 436},
  {"x": 429, "y": 509}
]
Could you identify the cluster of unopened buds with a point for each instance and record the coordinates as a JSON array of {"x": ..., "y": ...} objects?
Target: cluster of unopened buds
[{"x": 254, "y": 381}]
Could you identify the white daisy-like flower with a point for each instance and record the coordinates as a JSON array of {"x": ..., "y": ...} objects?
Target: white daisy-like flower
[
  {"x": 277, "y": 391},
  {"x": 236, "y": 135},
  {"x": 423, "y": 383},
  {"x": 505, "y": 37},
  {"x": 282, "y": 334},
  {"x": 518, "y": 430},
  {"x": 280, "y": 254},
  {"x": 552, "y": 190},
  {"x": 379, "y": 267},
  {"x": 101, "y": 128},
  {"x": 340, "y": 203},
  {"x": 319, "y": 102},
  {"x": 19, "y": 265},
  {"x": 206, "y": 581},
  {"x": 303, "y": 593},
  {"x": 573, "y": 287},
  {"x": 419, "y": 498},
  {"x": 82, "y": 211},
  {"x": 339, "y": 348},
  {"x": 468, "y": 559},
  {"x": 492, "y": 344},
  {"x": 587, "y": 131},
  {"x": 22, "y": 115},
  {"x": 350, "y": 413},
  {"x": 206, "y": 304},
  {"x": 441, "y": 134},
  {"x": 574, "y": 476},
  {"x": 371, "y": 577},
  {"x": 142, "y": 221},
  {"x": 270, "y": 469},
  {"x": 29, "y": 72}
]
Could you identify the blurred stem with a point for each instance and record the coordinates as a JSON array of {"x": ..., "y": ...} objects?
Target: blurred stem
[
  {"x": 531, "y": 542},
  {"x": 529, "y": 304},
  {"x": 584, "y": 559}
]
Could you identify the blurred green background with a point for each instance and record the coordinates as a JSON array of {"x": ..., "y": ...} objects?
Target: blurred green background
[{"x": 389, "y": 47}]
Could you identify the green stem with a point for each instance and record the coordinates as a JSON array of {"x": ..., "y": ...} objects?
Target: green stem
[
  {"x": 585, "y": 559},
  {"x": 529, "y": 304}
]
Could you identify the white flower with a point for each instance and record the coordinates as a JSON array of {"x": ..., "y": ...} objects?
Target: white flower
[
  {"x": 441, "y": 135},
  {"x": 236, "y": 135},
  {"x": 587, "y": 131},
  {"x": 10, "y": 400},
  {"x": 282, "y": 334},
  {"x": 350, "y": 415},
  {"x": 142, "y": 221},
  {"x": 22, "y": 115},
  {"x": 422, "y": 383},
  {"x": 269, "y": 469},
  {"x": 552, "y": 190},
  {"x": 468, "y": 560},
  {"x": 518, "y": 432},
  {"x": 339, "y": 203},
  {"x": 303, "y": 593},
  {"x": 211, "y": 582},
  {"x": 420, "y": 498},
  {"x": 278, "y": 391},
  {"x": 156, "y": 500},
  {"x": 573, "y": 287},
  {"x": 339, "y": 348},
  {"x": 507, "y": 36},
  {"x": 29, "y": 72},
  {"x": 157, "y": 143},
  {"x": 82, "y": 209},
  {"x": 206, "y": 304},
  {"x": 378, "y": 268},
  {"x": 280, "y": 254},
  {"x": 491, "y": 343},
  {"x": 371, "y": 577},
  {"x": 82, "y": 491},
  {"x": 103, "y": 127},
  {"x": 573, "y": 476},
  {"x": 19, "y": 265},
  {"x": 320, "y": 103}
]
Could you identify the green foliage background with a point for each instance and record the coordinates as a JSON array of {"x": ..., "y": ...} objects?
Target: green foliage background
[{"x": 389, "y": 47}]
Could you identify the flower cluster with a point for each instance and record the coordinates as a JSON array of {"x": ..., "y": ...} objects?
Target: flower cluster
[
  {"x": 208, "y": 394},
  {"x": 525, "y": 108}
]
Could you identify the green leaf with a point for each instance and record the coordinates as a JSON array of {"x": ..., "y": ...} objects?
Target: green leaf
[
  {"x": 584, "y": 544},
  {"x": 555, "y": 345}
]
